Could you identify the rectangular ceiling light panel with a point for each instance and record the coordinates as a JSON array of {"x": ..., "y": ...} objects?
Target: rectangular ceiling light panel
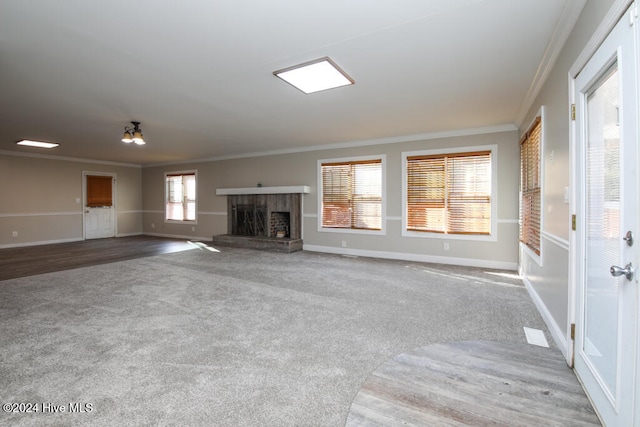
[
  {"x": 314, "y": 76},
  {"x": 38, "y": 144}
]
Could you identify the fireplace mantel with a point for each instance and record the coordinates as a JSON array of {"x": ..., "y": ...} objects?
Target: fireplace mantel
[{"x": 292, "y": 189}]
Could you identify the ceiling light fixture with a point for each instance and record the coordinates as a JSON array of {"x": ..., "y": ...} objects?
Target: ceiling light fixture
[
  {"x": 38, "y": 144},
  {"x": 314, "y": 76},
  {"x": 133, "y": 134}
]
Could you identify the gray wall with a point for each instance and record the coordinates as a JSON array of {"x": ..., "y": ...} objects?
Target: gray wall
[
  {"x": 548, "y": 277},
  {"x": 301, "y": 169},
  {"x": 38, "y": 199}
]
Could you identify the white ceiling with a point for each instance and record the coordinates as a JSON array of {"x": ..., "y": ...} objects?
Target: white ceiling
[{"x": 198, "y": 74}]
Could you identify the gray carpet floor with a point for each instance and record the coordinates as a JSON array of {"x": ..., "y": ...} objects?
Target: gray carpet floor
[{"x": 233, "y": 338}]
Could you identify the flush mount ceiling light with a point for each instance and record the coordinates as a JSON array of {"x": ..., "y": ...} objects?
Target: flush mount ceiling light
[
  {"x": 133, "y": 134},
  {"x": 38, "y": 144},
  {"x": 314, "y": 76}
]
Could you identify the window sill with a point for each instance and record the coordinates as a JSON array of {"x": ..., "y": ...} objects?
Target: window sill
[
  {"x": 468, "y": 237},
  {"x": 352, "y": 231},
  {"x": 175, "y": 221},
  {"x": 526, "y": 250}
]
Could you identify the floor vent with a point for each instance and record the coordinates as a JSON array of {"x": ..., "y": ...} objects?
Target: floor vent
[{"x": 536, "y": 337}]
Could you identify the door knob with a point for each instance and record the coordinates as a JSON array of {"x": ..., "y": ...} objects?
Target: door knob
[{"x": 627, "y": 271}]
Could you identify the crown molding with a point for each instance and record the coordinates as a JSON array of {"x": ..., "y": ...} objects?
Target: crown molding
[
  {"x": 351, "y": 144},
  {"x": 66, "y": 159},
  {"x": 567, "y": 21}
]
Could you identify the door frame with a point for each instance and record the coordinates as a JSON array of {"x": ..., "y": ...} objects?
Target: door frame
[
  {"x": 113, "y": 195},
  {"x": 616, "y": 13},
  {"x": 637, "y": 366}
]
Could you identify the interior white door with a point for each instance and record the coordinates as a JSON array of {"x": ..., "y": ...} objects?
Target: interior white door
[
  {"x": 99, "y": 211},
  {"x": 607, "y": 288},
  {"x": 98, "y": 222}
]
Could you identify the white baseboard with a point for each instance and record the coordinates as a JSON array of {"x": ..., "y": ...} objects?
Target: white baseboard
[
  {"x": 129, "y": 234},
  {"x": 403, "y": 256},
  {"x": 43, "y": 242},
  {"x": 558, "y": 335},
  {"x": 179, "y": 236}
]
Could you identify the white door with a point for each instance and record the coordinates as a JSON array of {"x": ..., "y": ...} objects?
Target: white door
[
  {"x": 98, "y": 222},
  {"x": 99, "y": 210},
  {"x": 607, "y": 209}
]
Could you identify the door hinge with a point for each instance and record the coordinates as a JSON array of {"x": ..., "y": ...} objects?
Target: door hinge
[
  {"x": 573, "y": 222},
  {"x": 573, "y": 331},
  {"x": 573, "y": 111},
  {"x": 633, "y": 14}
]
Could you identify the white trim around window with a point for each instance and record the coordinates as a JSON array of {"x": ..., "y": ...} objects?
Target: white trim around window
[
  {"x": 493, "y": 235},
  {"x": 383, "y": 208},
  {"x": 166, "y": 198},
  {"x": 537, "y": 258}
]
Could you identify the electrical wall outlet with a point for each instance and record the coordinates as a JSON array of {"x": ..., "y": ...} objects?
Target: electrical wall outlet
[
  {"x": 344, "y": 243},
  {"x": 14, "y": 234},
  {"x": 445, "y": 246}
]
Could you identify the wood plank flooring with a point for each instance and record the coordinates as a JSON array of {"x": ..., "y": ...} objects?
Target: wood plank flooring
[
  {"x": 32, "y": 260},
  {"x": 473, "y": 384}
]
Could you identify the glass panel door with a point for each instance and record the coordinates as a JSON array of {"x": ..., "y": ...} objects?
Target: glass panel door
[
  {"x": 602, "y": 229},
  {"x": 606, "y": 193}
]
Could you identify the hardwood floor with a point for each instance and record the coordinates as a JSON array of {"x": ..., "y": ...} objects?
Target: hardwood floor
[
  {"x": 32, "y": 260},
  {"x": 473, "y": 384}
]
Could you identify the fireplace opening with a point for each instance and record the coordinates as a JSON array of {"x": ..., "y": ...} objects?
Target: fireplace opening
[
  {"x": 249, "y": 220},
  {"x": 265, "y": 215},
  {"x": 280, "y": 223}
]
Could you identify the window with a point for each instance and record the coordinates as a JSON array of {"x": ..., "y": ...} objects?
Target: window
[
  {"x": 449, "y": 193},
  {"x": 99, "y": 190},
  {"x": 351, "y": 195},
  {"x": 180, "y": 196},
  {"x": 530, "y": 187}
]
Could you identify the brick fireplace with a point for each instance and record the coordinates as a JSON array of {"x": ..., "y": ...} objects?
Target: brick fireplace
[{"x": 280, "y": 224}]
